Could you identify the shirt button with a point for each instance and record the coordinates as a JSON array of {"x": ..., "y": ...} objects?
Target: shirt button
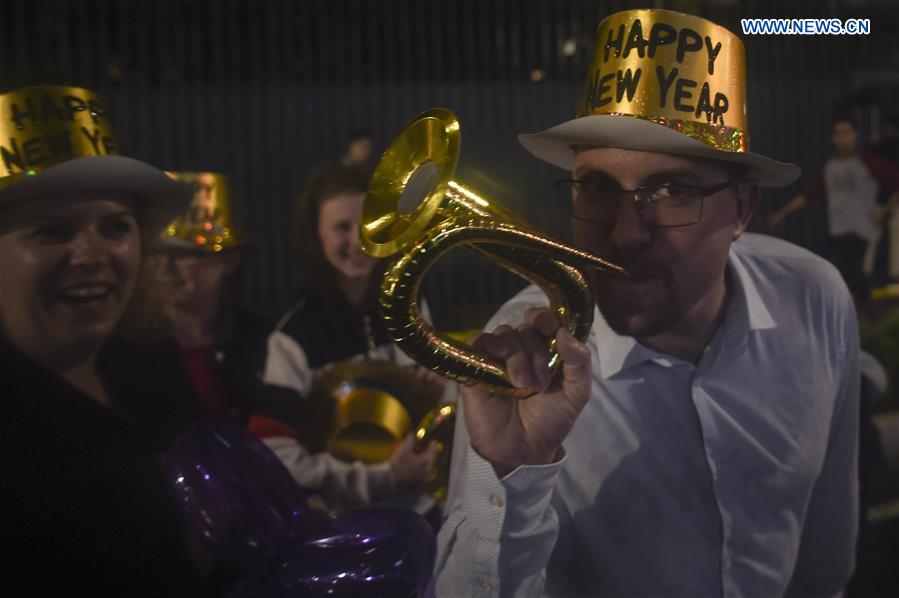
[
  {"x": 219, "y": 356},
  {"x": 486, "y": 583},
  {"x": 497, "y": 501}
]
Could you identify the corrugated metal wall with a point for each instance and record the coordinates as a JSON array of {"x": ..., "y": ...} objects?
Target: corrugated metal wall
[{"x": 264, "y": 89}]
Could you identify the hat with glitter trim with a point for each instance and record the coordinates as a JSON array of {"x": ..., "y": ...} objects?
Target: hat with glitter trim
[
  {"x": 58, "y": 140},
  {"x": 207, "y": 224},
  {"x": 668, "y": 82}
]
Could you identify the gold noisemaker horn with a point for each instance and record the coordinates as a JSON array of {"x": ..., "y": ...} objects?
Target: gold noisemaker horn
[
  {"x": 437, "y": 425},
  {"x": 416, "y": 212}
]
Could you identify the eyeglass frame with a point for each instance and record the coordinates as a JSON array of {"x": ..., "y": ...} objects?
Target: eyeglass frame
[{"x": 703, "y": 193}]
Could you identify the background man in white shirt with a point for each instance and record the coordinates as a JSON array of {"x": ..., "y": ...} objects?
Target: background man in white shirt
[
  {"x": 849, "y": 182},
  {"x": 703, "y": 441}
]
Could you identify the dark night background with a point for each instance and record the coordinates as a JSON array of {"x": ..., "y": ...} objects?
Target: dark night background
[{"x": 265, "y": 89}]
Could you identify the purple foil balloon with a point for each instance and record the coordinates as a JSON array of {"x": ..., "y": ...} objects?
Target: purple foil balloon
[
  {"x": 369, "y": 552},
  {"x": 238, "y": 497},
  {"x": 252, "y": 516}
]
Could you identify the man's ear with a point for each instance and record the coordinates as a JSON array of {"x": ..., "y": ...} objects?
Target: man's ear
[{"x": 747, "y": 200}]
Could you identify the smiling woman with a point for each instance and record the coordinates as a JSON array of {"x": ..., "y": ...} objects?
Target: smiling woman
[
  {"x": 336, "y": 320},
  {"x": 82, "y": 503},
  {"x": 73, "y": 261}
]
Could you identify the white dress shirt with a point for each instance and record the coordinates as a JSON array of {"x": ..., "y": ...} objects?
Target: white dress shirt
[
  {"x": 851, "y": 197},
  {"x": 732, "y": 477}
]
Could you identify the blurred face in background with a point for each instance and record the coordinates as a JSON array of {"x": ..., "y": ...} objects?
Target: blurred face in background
[
  {"x": 68, "y": 267},
  {"x": 338, "y": 231},
  {"x": 360, "y": 150},
  {"x": 844, "y": 137},
  {"x": 194, "y": 276}
]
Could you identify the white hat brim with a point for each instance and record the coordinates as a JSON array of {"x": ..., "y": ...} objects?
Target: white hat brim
[
  {"x": 164, "y": 198},
  {"x": 557, "y": 145}
]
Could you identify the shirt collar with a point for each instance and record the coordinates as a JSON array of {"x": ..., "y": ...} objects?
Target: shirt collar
[
  {"x": 751, "y": 312},
  {"x": 747, "y": 312},
  {"x": 615, "y": 352}
]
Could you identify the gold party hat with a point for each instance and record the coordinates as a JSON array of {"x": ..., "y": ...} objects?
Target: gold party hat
[
  {"x": 208, "y": 222},
  {"x": 668, "y": 82},
  {"x": 58, "y": 140},
  {"x": 46, "y": 125}
]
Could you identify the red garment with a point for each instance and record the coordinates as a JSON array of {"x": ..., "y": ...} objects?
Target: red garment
[
  {"x": 268, "y": 427},
  {"x": 205, "y": 372}
]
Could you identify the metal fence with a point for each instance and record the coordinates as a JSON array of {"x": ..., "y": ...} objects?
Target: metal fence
[{"x": 265, "y": 89}]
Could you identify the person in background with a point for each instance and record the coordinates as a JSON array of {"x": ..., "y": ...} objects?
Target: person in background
[
  {"x": 887, "y": 149},
  {"x": 84, "y": 416},
  {"x": 222, "y": 345},
  {"x": 359, "y": 149},
  {"x": 849, "y": 183},
  {"x": 335, "y": 320}
]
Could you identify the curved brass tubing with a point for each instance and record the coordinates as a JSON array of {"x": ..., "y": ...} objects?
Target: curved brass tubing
[{"x": 417, "y": 169}]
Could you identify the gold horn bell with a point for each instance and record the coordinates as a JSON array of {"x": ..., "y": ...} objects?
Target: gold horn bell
[{"x": 415, "y": 211}]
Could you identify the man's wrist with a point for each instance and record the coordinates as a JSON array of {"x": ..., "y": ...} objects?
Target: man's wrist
[
  {"x": 504, "y": 469},
  {"x": 514, "y": 502}
]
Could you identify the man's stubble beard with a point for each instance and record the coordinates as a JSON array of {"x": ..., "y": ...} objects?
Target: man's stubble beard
[{"x": 628, "y": 318}]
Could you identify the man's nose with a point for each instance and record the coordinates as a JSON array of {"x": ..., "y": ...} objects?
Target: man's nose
[{"x": 629, "y": 230}]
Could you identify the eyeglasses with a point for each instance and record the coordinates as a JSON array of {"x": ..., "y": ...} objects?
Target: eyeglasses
[{"x": 662, "y": 206}]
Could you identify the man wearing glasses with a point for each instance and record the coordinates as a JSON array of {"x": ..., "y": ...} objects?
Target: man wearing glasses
[{"x": 703, "y": 441}]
